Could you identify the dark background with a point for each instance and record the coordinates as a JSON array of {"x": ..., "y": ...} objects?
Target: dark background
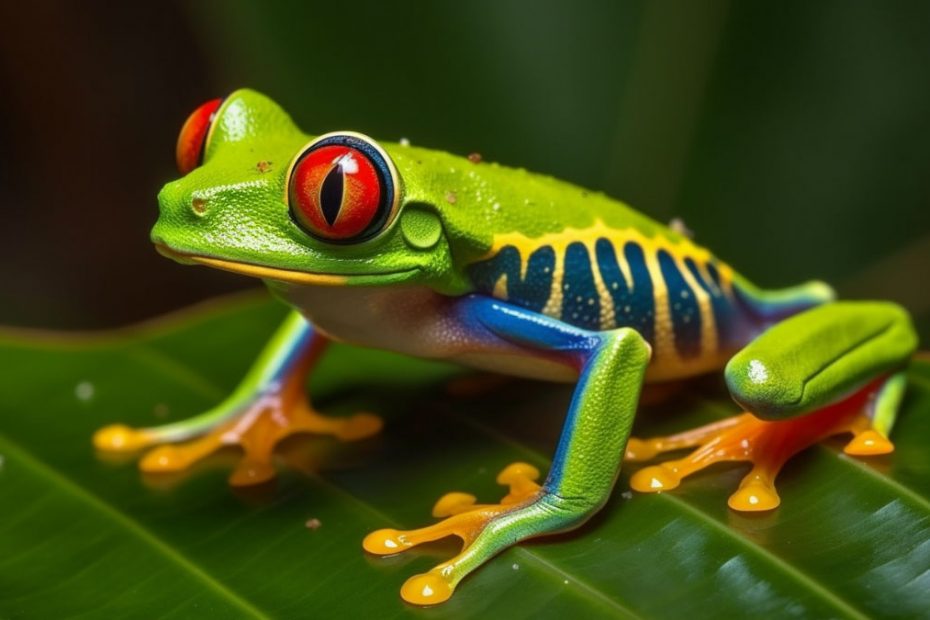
[{"x": 792, "y": 137}]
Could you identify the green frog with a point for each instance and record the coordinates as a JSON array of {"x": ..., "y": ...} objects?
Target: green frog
[{"x": 438, "y": 256}]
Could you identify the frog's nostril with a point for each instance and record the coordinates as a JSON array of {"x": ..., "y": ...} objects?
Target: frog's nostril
[{"x": 199, "y": 205}]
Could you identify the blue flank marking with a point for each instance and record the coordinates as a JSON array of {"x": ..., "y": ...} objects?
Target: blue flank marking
[
  {"x": 581, "y": 304},
  {"x": 683, "y": 306},
  {"x": 724, "y": 313},
  {"x": 531, "y": 292},
  {"x": 633, "y": 306}
]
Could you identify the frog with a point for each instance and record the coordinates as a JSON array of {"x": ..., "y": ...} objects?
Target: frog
[{"x": 425, "y": 253}]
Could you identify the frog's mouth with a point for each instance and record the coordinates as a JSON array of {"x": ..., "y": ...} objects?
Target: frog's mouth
[{"x": 285, "y": 275}]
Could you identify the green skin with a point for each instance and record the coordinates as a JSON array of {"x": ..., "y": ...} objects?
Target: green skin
[
  {"x": 251, "y": 128},
  {"x": 448, "y": 217}
]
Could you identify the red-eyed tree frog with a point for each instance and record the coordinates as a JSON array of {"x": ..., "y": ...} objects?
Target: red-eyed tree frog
[{"x": 433, "y": 255}]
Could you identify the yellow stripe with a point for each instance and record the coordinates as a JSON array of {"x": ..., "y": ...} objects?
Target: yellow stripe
[
  {"x": 553, "y": 306},
  {"x": 500, "y": 288},
  {"x": 270, "y": 273},
  {"x": 608, "y": 319},
  {"x": 664, "y": 345}
]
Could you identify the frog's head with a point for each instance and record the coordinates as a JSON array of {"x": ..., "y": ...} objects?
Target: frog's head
[{"x": 259, "y": 197}]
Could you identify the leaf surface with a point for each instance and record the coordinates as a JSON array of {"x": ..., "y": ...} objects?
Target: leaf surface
[{"x": 82, "y": 535}]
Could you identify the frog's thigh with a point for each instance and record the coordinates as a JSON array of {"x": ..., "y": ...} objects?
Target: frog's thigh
[{"x": 819, "y": 356}]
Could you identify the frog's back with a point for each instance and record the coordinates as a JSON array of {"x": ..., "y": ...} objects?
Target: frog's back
[{"x": 592, "y": 261}]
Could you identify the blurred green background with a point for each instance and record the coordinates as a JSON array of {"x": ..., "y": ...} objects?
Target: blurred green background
[{"x": 792, "y": 137}]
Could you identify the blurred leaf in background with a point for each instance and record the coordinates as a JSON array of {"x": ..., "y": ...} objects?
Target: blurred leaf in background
[{"x": 791, "y": 137}]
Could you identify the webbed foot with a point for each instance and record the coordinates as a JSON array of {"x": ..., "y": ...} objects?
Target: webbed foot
[
  {"x": 267, "y": 406},
  {"x": 768, "y": 445},
  {"x": 256, "y": 428},
  {"x": 471, "y": 522}
]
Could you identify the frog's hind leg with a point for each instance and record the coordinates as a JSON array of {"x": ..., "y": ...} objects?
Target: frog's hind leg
[
  {"x": 267, "y": 406},
  {"x": 828, "y": 371},
  {"x": 611, "y": 366}
]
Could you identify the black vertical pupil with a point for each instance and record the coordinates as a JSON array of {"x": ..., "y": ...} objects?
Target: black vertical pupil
[{"x": 331, "y": 193}]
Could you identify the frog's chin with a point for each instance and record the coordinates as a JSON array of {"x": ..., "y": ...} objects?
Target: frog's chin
[{"x": 287, "y": 275}]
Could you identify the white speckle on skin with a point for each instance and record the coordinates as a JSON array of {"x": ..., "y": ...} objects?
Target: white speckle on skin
[
  {"x": 516, "y": 566},
  {"x": 758, "y": 373},
  {"x": 565, "y": 582},
  {"x": 84, "y": 391},
  {"x": 404, "y": 142}
]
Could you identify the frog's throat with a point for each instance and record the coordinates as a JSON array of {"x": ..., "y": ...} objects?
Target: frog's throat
[{"x": 285, "y": 275}]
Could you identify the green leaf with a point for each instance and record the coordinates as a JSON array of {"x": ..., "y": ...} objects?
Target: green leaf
[{"x": 83, "y": 535}]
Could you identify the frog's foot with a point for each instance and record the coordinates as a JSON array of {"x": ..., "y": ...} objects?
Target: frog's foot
[
  {"x": 257, "y": 427},
  {"x": 482, "y": 528},
  {"x": 766, "y": 444},
  {"x": 639, "y": 450},
  {"x": 867, "y": 439}
]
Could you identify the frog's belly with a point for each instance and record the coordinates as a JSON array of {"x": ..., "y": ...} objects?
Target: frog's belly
[
  {"x": 417, "y": 321},
  {"x": 414, "y": 321}
]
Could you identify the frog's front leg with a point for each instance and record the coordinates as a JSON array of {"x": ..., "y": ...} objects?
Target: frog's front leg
[
  {"x": 610, "y": 366},
  {"x": 268, "y": 405},
  {"x": 834, "y": 369}
]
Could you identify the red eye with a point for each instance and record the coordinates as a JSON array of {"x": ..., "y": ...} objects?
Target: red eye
[
  {"x": 193, "y": 135},
  {"x": 341, "y": 189}
]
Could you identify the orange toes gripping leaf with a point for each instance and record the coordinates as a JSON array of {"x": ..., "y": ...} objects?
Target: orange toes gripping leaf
[
  {"x": 256, "y": 431},
  {"x": 462, "y": 517},
  {"x": 767, "y": 445}
]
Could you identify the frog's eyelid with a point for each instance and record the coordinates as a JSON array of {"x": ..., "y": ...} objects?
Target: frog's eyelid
[
  {"x": 195, "y": 135},
  {"x": 217, "y": 113}
]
